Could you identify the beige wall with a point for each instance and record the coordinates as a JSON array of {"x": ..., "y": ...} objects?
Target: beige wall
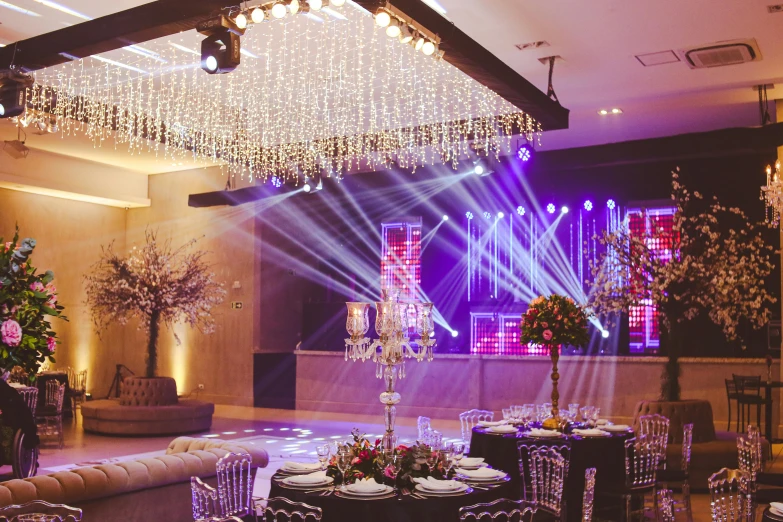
[{"x": 70, "y": 235}]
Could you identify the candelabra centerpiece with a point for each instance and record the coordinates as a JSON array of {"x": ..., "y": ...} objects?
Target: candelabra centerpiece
[
  {"x": 394, "y": 321},
  {"x": 772, "y": 195}
]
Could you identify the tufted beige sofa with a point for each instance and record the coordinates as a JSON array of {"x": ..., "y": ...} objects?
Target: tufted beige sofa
[
  {"x": 145, "y": 391},
  {"x": 148, "y": 489},
  {"x": 711, "y": 450}
]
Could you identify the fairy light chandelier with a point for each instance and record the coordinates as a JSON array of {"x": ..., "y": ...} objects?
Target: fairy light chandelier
[
  {"x": 321, "y": 89},
  {"x": 772, "y": 195}
]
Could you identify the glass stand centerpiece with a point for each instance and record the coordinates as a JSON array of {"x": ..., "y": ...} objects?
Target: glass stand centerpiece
[{"x": 393, "y": 323}]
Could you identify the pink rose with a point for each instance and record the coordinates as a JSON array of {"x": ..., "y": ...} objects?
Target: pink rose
[
  {"x": 37, "y": 287},
  {"x": 8, "y": 245},
  {"x": 51, "y": 344},
  {"x": 545, "y": 325},
  {"x": 547, "y": 335},
  {"x": 11, "y": 333}
]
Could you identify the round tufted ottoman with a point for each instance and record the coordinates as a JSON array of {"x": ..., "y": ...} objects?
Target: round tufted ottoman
[
  {"x": 109, "y": 417},
  {"x": 148, "y": 391}
]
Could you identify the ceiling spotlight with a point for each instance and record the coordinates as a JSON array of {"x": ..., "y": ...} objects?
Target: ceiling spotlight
[
  {"x": 564, "y": 210},
  {"x": 478, "y": 170},
  {"x": 293, "y": 6},
  {"x": 406, "y": 34},
  {"x": 611, "y": 204},
  {"x": 617, "y": 111},
  {"x": 605, "y": 334},
  {"x": 276, "y": 182},
  {"x": 419, "y": 43},
  {"x": 241, "y": 21},
  {"x": 220, "y": 50},
  {"x": 279, "y": 10},
  {"x": 521, "y": 210},
  {"x": 550, "y": 208},
  {"x": 428, "y": 48},
  {"x": 2, "y": 110},
  {"x": 469, "y": 214},
  {"x": 337, "y": 3},
  {"x": 393, "y": 30},
  {"x": 603, "y": 112},
  {"x": 445, "y": 217},
  {"x": 210, "y": 63},
  {"x": 13, "y": 93},
  {"x": 257, "y": 15},
  {"x": 382, "y": 18},
  {"x": 454, "y": 333},
  {"x": 588, "y": 205},
  {"x": 487, "y": 215},
  {"x": 307, "y": 188},
  {"x": 501, "y": 215},
  {"x": 525, "y": 152},
  {"x": 315, "y": 5}
]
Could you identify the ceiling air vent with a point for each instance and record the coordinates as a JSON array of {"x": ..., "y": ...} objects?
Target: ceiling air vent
[{"x": 722, "y": 53}]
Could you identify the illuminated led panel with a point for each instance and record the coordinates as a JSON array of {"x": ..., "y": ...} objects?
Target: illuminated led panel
[
  {"x": 401, "y": 258},
  {"x": 484, "y": 330},
  {"x": 656, "y": 226}
]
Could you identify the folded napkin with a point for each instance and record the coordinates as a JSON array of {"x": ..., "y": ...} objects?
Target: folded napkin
[
  {"x": 592, "y": 432},
  {"x": 471, "y": 462},
  {"x": 311, "y": 478},
  {"x": 540, "y": 432},
  {"x": 505, "y": 428},
  {"x": 366, "y": 486},
  {"x": 777, "y": 506},
  {"x": 302, "y": 466},
  {"x": 601, "y": 422},
  {"x": 481, "y": 473},
  {"x": 435, "y": 484},
  {"x": 616, "y": 427},
  {"x": 491, "y": 423}
]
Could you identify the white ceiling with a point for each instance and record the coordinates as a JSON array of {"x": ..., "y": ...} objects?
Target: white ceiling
[{"x": 598, "y": 40}]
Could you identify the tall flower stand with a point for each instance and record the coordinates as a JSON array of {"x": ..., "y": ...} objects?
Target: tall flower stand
[{"x": 555, "y": 422}]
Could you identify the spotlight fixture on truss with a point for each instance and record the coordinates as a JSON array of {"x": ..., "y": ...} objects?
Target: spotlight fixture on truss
[
  {"x": 550, "y": 208},
  {"x": 13, "y": 93},
  {"x": 220, "y": 50},
  {"x": 404, "y": 28},
  {"x": 525, "y": 152}
]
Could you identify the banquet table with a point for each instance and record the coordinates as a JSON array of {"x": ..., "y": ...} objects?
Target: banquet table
[
  {"x": 605, "y": 454},
  {"x": 401, "y": 508}
]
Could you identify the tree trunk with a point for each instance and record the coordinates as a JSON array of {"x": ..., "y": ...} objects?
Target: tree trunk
[
  {"x": 152, "y": 345},
  {"x": 670, "y": 378}
]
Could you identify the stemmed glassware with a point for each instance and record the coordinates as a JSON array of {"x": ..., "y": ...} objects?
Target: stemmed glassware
[
  {"x": 432, "y": 460},
  {"x": 344, "y": 459},
  {"x": 516, "y": 412},
  {"x": 573, "y": 411},
  {"x": 507, "y": 414},
  {"x": 323, "y": 454},
  {"x": 392, "y": 463}
]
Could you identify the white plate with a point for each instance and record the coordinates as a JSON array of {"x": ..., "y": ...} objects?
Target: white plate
[
  {"x": 775, "y": 511},
  {"x": 477, "y": 466},
  {"x": 299, "y": 471},
  {"x": 444, "y": 492},
  {"x": 594, "y": 435},
  {"x": 500, "y": 476},
  {"x": 291, "y": 481},
  {"x": 616, "y": 428},
  {"x": 542, "y": 435},
  {"x": 505, "y": 428},
  {"x": 385, "y": 491}
]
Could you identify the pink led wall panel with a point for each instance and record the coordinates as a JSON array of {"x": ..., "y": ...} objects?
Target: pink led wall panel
[{"x": 401, "y": 257}]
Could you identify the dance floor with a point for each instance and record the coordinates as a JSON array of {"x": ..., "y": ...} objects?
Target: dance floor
[{"x": 285, "y": 434}]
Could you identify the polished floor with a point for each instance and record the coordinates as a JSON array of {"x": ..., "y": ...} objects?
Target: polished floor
[{"x": 287, "y": 435}]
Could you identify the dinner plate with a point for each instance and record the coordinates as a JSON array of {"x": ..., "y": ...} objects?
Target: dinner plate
[
  {"x": 291, "y": 471},
  {"x": 464, "y": 489},
  {"x": 616, "y": 428},
  {"x": 777, "y": 514},
  {"x": 384, "y": 491},
  {"x": 456, "y": 487},
  {"x": 475, "y": 466},
  {"x": 594, "y": 435},
  {"x": 291, "y": 481},
  {"x": 542, "y": 435},
  {"x": 503, "y": 429},
  {"x": 387, "y": 493},
  {"x": 500, "y": 476}
]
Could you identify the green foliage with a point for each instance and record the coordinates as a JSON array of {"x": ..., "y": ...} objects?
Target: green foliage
[{"x": 554, "y": 321}]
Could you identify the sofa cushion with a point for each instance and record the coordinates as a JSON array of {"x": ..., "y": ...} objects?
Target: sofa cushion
[
  {"x": 123, "y": 477},
  {"x": 679, "y": 413}
]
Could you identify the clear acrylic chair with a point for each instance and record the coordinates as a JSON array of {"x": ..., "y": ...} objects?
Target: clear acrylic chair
[
  {"x": 656, "y": 428},
  {"x": 665, "y": 505},
  {"x": 204, "y": 503},
  {"x": 77, "y": 387},
  {"x": 749, "y": 455},
  {"x": 588, "y": 496},
  {"x": 30, "y": 397},
  {"x": 547, "y": 478},
  {"x": 235, "y": 484},
  {"x": 469, "y": 419},
  {"x": 279, "y": 509},
  {"x": 641, "y": 466},
  {"x": 43, "y": 511},
  {"x": 731, "y": 497},
  {"x": 501, "y": 510},
  {"x": 524, "y": 450},
  {"x": 219, "y": 519},
  {"x": 668, "y": 476},
  {"x": 51, "y": 418},
  {"x": 423, "y": 424}
]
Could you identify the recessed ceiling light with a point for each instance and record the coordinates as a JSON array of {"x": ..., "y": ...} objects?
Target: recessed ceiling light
[
  {"x": 603, "y": 112},
  {"x": 617, "y": 111}
]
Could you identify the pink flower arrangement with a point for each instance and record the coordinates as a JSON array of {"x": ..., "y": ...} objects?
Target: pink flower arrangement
[
  {"x": 11, "y": 333},
  {"x": 547, "y": 335},
  {"x": 37, "y": 287},
  {"x": 554, "y": 321},
  {"x": 51, "y": 344}
]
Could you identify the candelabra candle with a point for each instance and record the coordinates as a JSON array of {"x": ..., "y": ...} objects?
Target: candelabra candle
[
  {"x": 772, "y": 195},
  {"x": 393, "y": 322}
]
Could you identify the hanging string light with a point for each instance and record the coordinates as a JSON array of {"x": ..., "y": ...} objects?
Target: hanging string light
[{"x": 316, "y": 96}]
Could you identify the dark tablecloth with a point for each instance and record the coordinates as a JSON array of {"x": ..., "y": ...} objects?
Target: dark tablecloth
[
  {"x": 606, "y": 454},
  {"x": 399, "y": 509}
]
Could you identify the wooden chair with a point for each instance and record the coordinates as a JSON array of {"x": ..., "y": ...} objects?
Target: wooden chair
[
  {"x": 748, "y": 395},
  {"x": 732, "y": 395}
]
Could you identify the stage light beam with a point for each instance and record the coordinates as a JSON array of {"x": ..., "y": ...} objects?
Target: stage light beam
[{"x": 564, "y": 210}]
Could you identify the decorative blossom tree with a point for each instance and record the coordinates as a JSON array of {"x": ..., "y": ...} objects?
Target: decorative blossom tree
[
  {"x": 27, "y": 299},
  {"x": 154, "y": 284},
  {"x": 715, "y": 261}
]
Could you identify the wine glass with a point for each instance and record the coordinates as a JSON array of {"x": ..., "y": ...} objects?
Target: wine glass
[
  {"x": 516, "y": 412},
  {"x": 432, "y": 460},
  {"x": 573, "y": 411},
  {"x": 450, "y": 460},
  {"x": 344, "y": 460},
  {"x": 393, "y": 463},
  {"x": 507, "y": 415},
  {"x": 323, "y": 454},
  {"x": 459, "y": 450},
  {"x": 595, "y": 415}
]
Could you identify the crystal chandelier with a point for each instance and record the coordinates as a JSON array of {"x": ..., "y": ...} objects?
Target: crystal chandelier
[
  {"x": 392, "y": 323},
  {"x": 772, "y": 195},
  {"x": 317, "y": 93}
]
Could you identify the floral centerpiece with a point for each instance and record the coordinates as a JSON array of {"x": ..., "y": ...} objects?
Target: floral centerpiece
[
  {"x": 27, "y": 301},
  {"x": 553, "y": 322},
  {"x": 370, "y": 461},
  {"x": 714, "y": 262},
  {"x": 155, "y": 283}
]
